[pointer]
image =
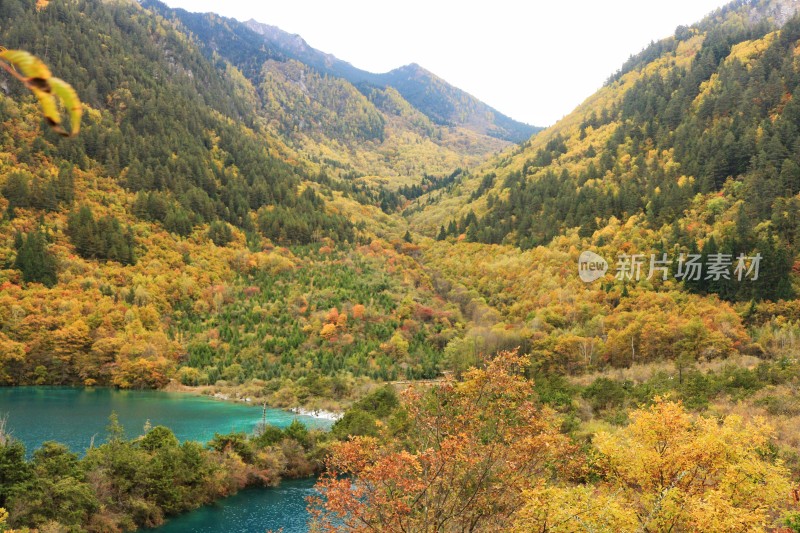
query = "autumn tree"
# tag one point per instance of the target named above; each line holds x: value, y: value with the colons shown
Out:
x: 681, y: 472
x: 461, y: 461
x: 669, y: 471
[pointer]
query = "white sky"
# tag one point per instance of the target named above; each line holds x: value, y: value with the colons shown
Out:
x: 532, y: 60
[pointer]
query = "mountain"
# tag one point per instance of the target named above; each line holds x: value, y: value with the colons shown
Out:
x: 437, y: 99
x: 295, y: 47
x: 442, y: 103
x: 153, y: 247
x: 189, y: 146
x: 245, y: 217
x: 694, y: 139
x: 172, y: 150
x: 446, y: 104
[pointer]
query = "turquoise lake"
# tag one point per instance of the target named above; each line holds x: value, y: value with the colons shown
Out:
x: 250, y: 511
x: 74, y: 416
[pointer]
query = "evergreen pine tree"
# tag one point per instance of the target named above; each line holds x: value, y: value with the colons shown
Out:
x: 34, y: 260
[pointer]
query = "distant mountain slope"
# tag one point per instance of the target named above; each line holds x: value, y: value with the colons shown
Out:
x: 696, y: 138
x: 444, y: 104
x: 300, y: 98
x: 440, y: 101
x: 346, y: 119
x: 295, y: 47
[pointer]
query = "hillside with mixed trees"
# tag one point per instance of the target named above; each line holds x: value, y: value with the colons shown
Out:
x: 192, y: 233
x: 401, y: 125
x: 243, y: 214
x: 696, y: 138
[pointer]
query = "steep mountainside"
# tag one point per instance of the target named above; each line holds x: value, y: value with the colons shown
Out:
x: 174, y: 187
x: 216, y: 222
x: 365, y: 133
x: 165, y: 122
x: 695, y: 139
x: 688, y: 152
x: 246, y: 44
x: 438, y: 100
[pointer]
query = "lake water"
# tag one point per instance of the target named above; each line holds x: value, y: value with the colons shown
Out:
x: 73, y: 416
x: 249, y: 511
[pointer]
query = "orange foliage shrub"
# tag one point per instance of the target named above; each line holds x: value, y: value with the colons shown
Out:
x: 460, y: 466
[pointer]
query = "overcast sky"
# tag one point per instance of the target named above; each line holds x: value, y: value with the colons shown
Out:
x: 534, y: 61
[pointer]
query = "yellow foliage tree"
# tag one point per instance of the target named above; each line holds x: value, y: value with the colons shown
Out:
x: 11, y: 354
x: 675, y: 468
x: 569, y: 509
x: 328, y: 331
x: 669, y: 471
x: 397, y: 346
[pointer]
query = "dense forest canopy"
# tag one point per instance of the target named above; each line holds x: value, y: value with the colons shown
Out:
x: 709, y: 115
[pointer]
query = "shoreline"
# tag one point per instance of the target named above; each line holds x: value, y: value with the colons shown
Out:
x: 320, y: 414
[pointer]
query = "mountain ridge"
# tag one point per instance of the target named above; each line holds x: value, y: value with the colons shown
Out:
x: 705, y: 117
x: 367, y: 131
x: 444, y: 110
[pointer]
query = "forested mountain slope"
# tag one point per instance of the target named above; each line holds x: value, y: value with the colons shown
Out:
x: 165, y: 122
x: 152, y: 246
x: 434, y: 97
x: 173, y: 187
x: 696, y: 139
x: 690, y: 150
x: 393, y: 128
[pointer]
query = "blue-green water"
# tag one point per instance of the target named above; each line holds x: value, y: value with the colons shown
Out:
x: 252, y: 510
x: 73, y: 416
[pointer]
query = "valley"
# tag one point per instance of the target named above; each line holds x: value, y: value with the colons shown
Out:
x: 244, y: 216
